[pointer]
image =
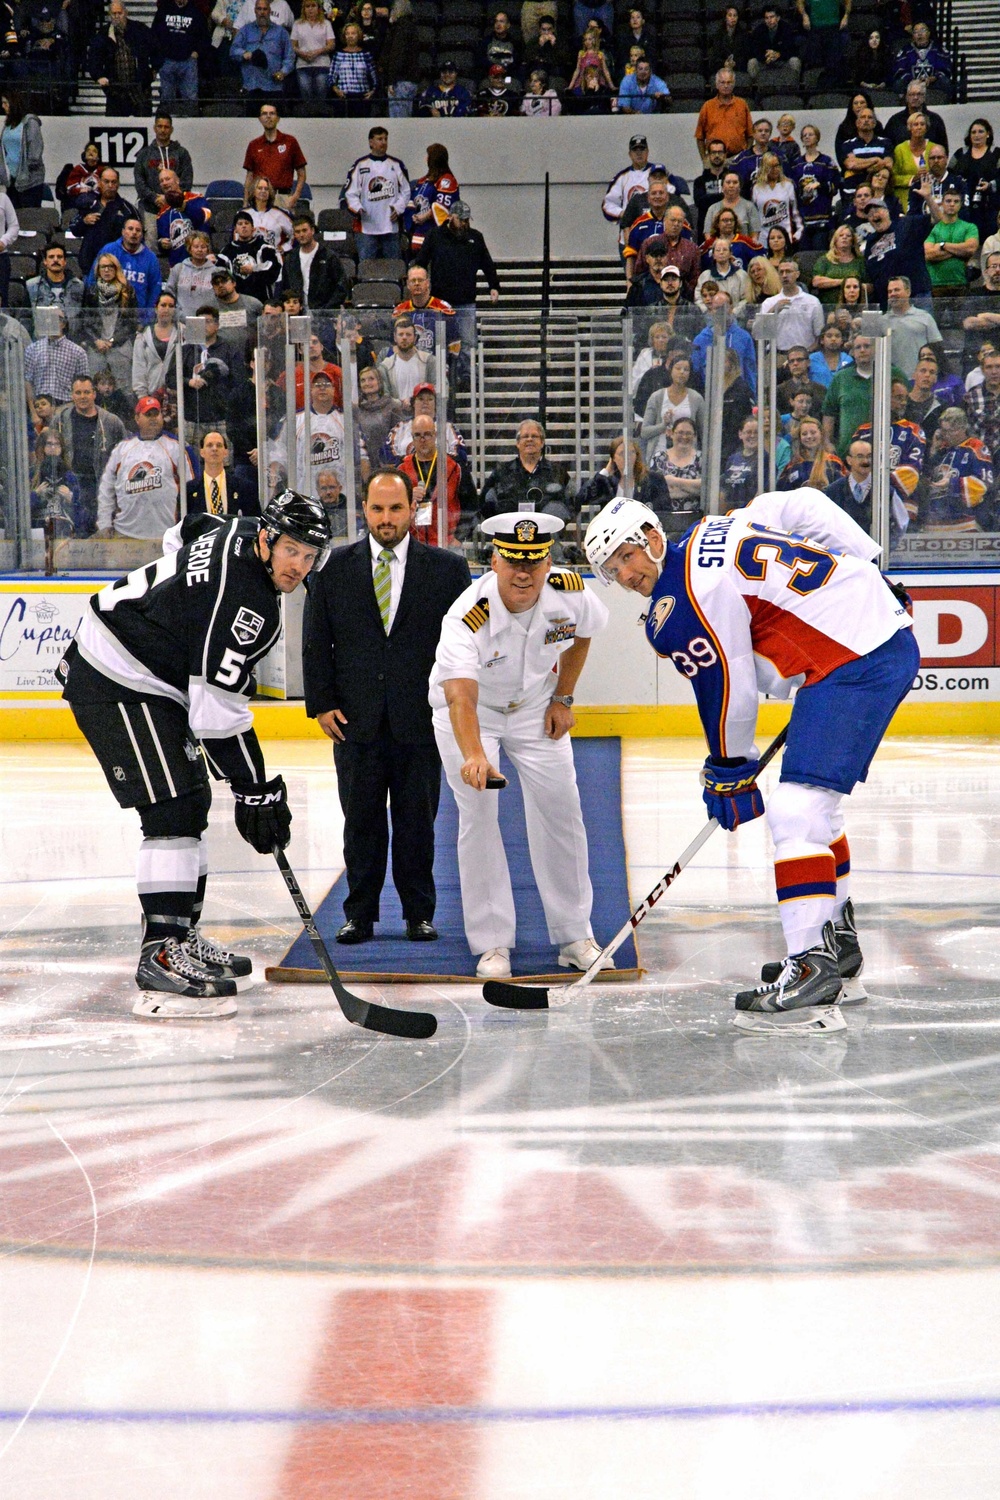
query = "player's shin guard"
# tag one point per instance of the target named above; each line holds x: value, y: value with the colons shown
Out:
x: 199, y: 894
x: 167, y: 877
x: 807, y: 892
x: 841, y: 852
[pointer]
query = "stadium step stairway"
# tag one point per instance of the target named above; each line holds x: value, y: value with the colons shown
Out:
x: 979, y: 27
x: 585, y: 309
x: 89, y: 98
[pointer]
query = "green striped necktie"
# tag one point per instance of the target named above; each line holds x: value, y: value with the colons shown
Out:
x: 383, y: 586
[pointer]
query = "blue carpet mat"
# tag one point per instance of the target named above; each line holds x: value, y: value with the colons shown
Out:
x: 389, y: 955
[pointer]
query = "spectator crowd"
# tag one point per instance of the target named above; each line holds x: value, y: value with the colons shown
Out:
x: 892, y: 220
x: 890, y: 215
x: 136, y: 300
x: 461, y: 57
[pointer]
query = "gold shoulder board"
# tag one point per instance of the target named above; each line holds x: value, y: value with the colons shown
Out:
x: 570, y: 583
x: 478, y: 615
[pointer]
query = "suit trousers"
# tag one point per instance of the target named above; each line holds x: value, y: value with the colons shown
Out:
x: 409, y: 776
x: 557, y: 839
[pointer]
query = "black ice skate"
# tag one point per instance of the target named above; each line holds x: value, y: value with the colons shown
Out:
x: 850, y: 959
x: 219, y: 961
x: 803, y: 997
x: 177, y: 987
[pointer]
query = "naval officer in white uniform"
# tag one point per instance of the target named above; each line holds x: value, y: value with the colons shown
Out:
x: 511, y: 650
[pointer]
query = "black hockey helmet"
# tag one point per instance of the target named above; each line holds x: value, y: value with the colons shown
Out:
x: 302, y: 518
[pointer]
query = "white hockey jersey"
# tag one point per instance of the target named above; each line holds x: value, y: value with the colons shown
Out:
x: 326, y: 448
x: 377, y: 185
x: 139, y: 488
x: 746, y: 608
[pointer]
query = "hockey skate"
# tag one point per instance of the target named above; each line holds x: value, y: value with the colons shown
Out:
x: 802, y: 998
x: 176, y: 987
x: 850, y: 959
x: 219, y: 961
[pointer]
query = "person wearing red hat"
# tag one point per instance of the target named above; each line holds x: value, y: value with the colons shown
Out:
x: 421, y: 466
x: 139, y: 489
x: 499, y: 96
x: 400, y: 440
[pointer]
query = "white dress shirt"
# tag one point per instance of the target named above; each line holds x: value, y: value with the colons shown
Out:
x: 397, y: 570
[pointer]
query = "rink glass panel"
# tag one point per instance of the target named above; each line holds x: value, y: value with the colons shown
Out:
x: 574, y: 371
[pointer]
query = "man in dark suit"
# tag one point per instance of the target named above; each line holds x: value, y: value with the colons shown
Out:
x: 372, y: 622
x: 326, y: 286
x: 853, y: 493
x: 218, y: 491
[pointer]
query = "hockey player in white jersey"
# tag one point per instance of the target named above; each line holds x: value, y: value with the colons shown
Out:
x: 138, y: 492
x: 778, y: 596
x: 160, y: 672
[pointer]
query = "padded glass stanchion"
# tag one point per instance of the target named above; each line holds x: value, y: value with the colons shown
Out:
x: 765, y: 332
x: 875, y: 326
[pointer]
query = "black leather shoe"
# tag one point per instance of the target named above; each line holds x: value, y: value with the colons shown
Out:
x: 421, y: 932
x: 356, y: 932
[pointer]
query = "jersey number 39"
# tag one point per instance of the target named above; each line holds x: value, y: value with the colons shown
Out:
x: 700, y: 653
x: 809, y: 566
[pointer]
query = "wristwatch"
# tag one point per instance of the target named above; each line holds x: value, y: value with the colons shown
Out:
x: 566, y: 699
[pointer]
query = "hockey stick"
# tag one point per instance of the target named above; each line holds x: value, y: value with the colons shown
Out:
x: 411, y: 1023
x: 536, y: 997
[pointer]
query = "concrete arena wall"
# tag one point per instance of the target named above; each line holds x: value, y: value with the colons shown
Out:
x: 501, y: 165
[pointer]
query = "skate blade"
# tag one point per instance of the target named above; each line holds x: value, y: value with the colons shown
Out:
x: 154, y: 1006
x: 853, y: 993
x: 810, y: 1021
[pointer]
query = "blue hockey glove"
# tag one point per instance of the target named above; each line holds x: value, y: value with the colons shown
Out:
x: 731, y: 793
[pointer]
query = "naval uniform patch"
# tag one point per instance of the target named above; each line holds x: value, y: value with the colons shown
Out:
x: 569, y: 583
x: 477, y: 615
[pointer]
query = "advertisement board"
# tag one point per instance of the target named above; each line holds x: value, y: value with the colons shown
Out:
x: 37, y: 622
x: 956, y: 619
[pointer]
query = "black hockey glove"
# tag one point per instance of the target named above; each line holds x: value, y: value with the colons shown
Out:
x: 263, y: 816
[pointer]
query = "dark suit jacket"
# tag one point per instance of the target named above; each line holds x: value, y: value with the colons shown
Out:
x: 348, y: 660
x: 840, y: 493
x: 327, y: 285
x: 246, y: 504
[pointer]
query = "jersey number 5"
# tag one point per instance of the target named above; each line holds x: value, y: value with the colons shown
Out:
x: 230, y: 667
x: 810, y: 566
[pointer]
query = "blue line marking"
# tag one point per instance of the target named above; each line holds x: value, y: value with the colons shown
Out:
x: 424, y: 1416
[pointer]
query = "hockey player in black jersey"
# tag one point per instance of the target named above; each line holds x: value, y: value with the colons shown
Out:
x: 160, y: 672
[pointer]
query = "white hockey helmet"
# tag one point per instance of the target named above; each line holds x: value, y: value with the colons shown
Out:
x: 620, y: 521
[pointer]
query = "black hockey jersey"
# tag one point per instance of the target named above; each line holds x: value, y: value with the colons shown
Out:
x: 189, y: 627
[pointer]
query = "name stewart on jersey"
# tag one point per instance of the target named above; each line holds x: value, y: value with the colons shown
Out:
x: 743, y: 608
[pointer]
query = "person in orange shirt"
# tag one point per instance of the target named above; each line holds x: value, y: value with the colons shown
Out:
x: 725, y: 118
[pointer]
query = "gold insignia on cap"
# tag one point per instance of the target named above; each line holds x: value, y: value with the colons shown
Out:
x: 526, y: 531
